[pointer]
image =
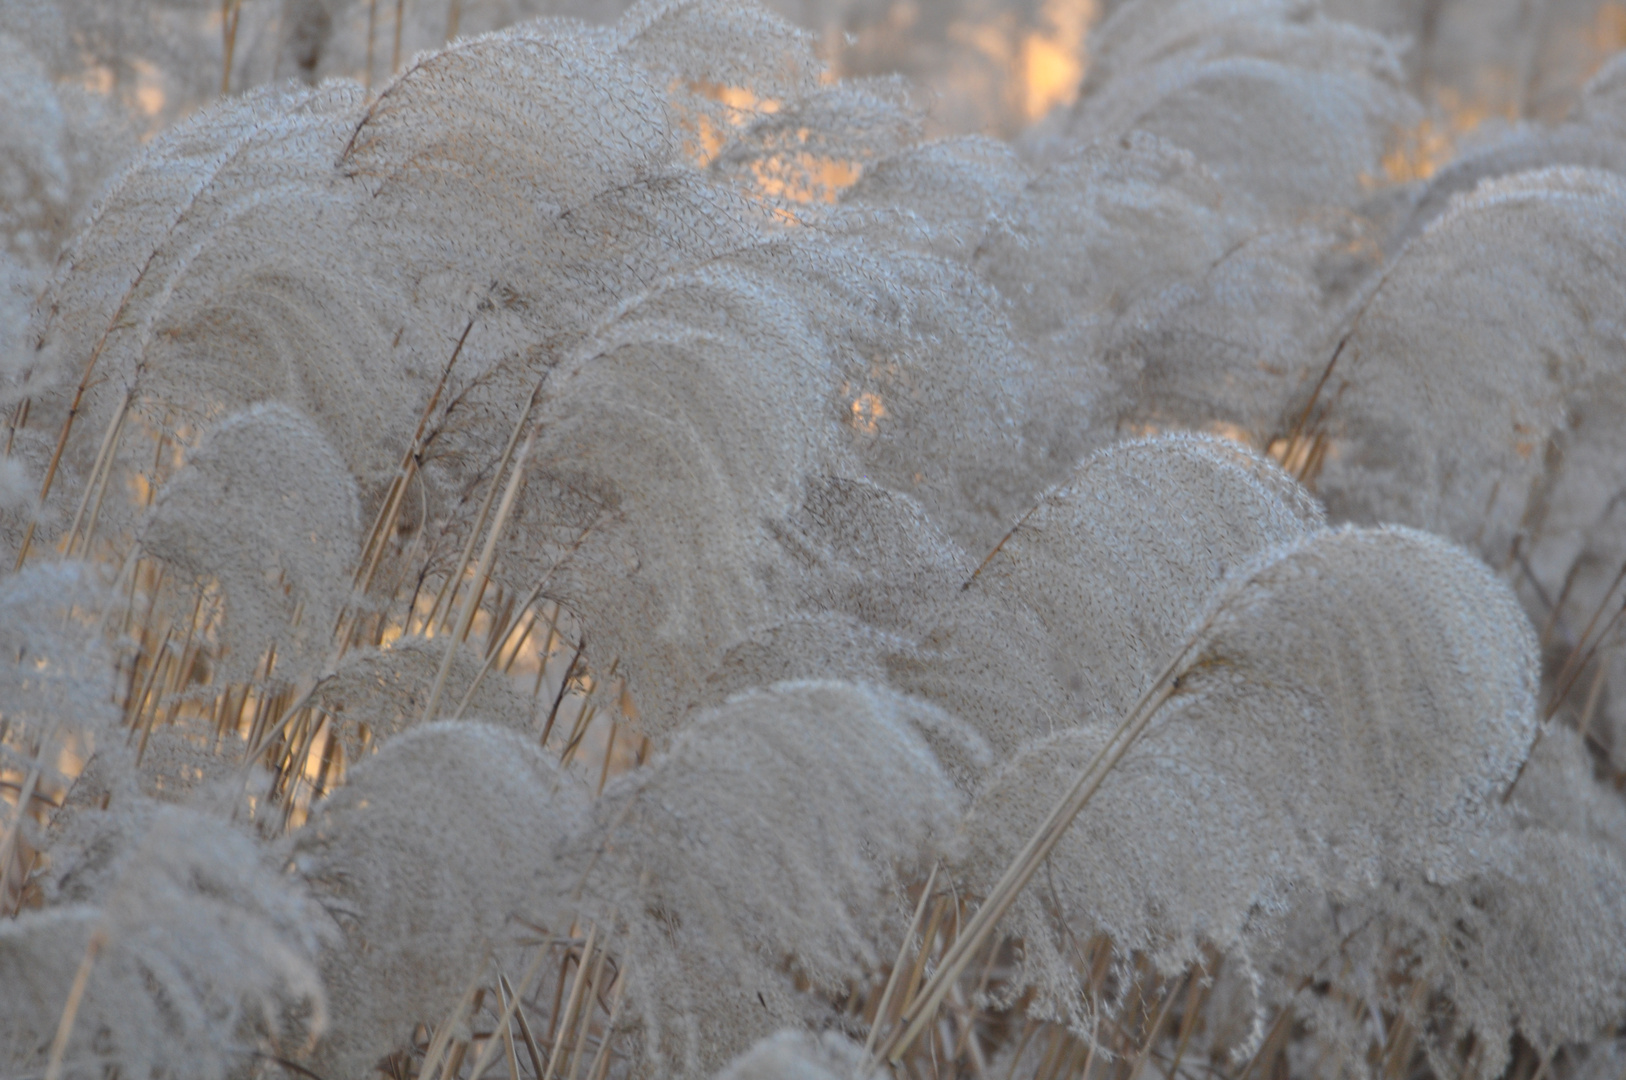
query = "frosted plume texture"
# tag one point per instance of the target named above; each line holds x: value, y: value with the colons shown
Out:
x: 265, y: 509
x: 198, y: 943
x: 558, y: 535
x: 796, y: 1055
x: 1338, y: 713
x: 419, y: 862
x: 721, y: 880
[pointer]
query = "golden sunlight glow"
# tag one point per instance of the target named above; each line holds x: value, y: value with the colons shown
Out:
x: 1052, y: 58
x: 805, y: 178
x: 868, y: 412
x: 741, y: 106
x: 148, y: 94
x: 98, y: 79
x: 1608, y: 32
x: 1418, y: 152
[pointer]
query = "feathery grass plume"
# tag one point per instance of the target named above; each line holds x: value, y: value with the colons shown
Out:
x: 377, y: 694
x: 64, y: 131
x: 940, y: 195
x: 17, y: 288
x: 670, y: 442
x: 420, y: 859
x: 878, y: 591
x: 1531, y: 942
x: 933, y: 390
x: 57, y: 691
x: 870, y: 553
x: 1525, y: 148
x: 1103, y: 227
x: 197, y: 954
x: 1110, y: 570
x: 36, y: 177
x: 1385, y: 681
x: 267, y: 511
x: 1231, y: 348
x: 57, y: 675
x: 1107, y: 223
x: 1603, y: 98
x: 1572, y: 545
x: 1460, y: 425
x: 547, y: 162
x: 1535, y: 946
x: 889, y: 363
x: 479, y: 173
x: 797, y: 1055
x: 1291, y: 110
x: 158, y: 290
x: 766, y: 849
x: 825, y: 645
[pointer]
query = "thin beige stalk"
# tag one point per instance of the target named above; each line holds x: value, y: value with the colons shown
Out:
x: 567, y: 1021
x: 1151, y: 1035
x: 917, y: 970
x: 152, y: 716
x: 400, y: 17
x: 471, y: 603
x: 601, y: 1063
x: 1032, y: 856
x: 510, y: 1004
x: 372, y: 24
x: 139, y: 701
x: 531, y: 1048
x: 230, y: 12
x: 99, y: 471
x: 510, y: 1055
x: 1003, y: 540
x: 25, y: 795
x: 443, y: 1034
x: 448, y: 591
x: 585, y: 1024
x: 1188, y: 1022
x: 70, y: 1011
x: 535, y: 594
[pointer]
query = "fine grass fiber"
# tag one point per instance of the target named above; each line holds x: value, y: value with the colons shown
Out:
x: 997, y: 539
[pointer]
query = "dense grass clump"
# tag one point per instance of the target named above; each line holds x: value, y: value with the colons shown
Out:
x: 1025, y: 539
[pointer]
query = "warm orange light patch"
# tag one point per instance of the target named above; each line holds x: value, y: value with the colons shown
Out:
x: 739, y: 98
x: 1230, y: 433
x: 741, y: 106
x: 98, y: 79
x: 1052, y: 57
x: 1525, y: 442
x: 148, y: 94
x: 1050, y: 76
x: 1417, y: 153
x: 1608, y: 33
x: 1463, y: 116
x: 805, y: 178
x: 868, y: 412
